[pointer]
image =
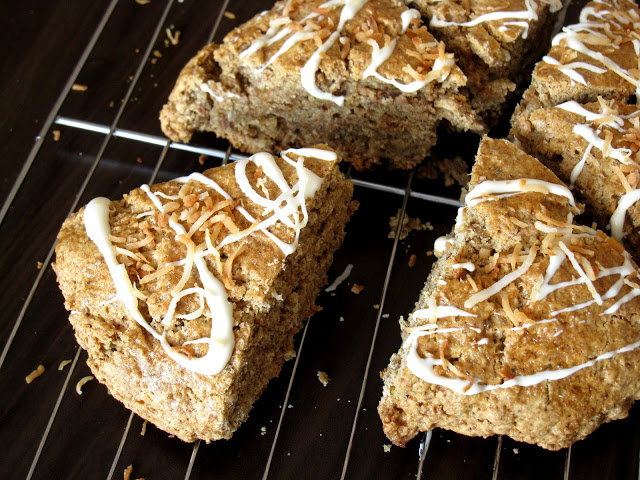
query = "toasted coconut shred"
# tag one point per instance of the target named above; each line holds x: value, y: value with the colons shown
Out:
x: 34, y: 374
x: 562, y: 245
x: 203, y: 220
x: 82, y: 382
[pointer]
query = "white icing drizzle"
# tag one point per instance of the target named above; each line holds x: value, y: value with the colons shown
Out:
x: 569, y: 69
x: 407, y: 17
x: 617, y: 219
x: 466, y: 265
x: 482, y: 295
x: 423, y: 369
x: 593, y: 24
x: 590, y: 133
x: 221, y: 340
x: 440, y: 245
x: 496, y: 189
x: 528, y: 15
x: 350, y: 8
x: 205, y: 88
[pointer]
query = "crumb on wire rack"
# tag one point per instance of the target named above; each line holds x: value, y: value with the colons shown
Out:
x: 34, y: 374
x: 409, y: 225
x: 324, y: 378
x: 81, y: 383
x: 63, y: 364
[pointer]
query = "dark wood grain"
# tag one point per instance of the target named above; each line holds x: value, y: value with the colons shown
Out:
x: 36, y: 61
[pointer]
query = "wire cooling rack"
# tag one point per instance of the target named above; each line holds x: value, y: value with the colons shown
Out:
x: 104, y: 140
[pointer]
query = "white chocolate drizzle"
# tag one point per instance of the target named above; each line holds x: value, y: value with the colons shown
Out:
x: 558, y: 254
x: 524, y: 17
x: 591, y: 133
x: 496, y: 189
x: 278, y: 30
x: 288, y: 208
x: 596, y: 27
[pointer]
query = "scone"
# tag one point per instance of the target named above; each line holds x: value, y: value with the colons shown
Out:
x: 365, y: 77
x: 496, y: 43
x: 529, y: 324
x: 597, y: 57
x: 593, y: 147
x: 186, y: 295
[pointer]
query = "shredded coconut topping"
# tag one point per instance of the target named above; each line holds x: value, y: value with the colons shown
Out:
x: 203, y: 215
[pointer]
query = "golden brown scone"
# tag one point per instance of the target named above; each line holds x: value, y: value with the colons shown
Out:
x: 570, y: 139
x: 188, y: 312
x: 529, y: 324
x: 597, y: 57
x: 496, y: 43
x: 366, y: 77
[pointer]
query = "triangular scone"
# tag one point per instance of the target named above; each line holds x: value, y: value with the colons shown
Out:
x: 571, y: 138
x: 496, y: 42
x: 598, y: 56
x: 528, y: 326
x: 367, y: 78
x: 247, y: 244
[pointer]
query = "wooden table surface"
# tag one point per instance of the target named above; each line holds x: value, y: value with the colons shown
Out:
x: 110, y: 142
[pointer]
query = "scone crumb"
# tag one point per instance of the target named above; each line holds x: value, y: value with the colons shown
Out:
x: 357, y: 288
x: 35, y: 374
x: 143, y: 2
x: 63, y: 364
x: 78, y: 87
x: 516, y: 451
x: 157, y: 53
x: 143, y: 430
x: 127, y: 472
x: 173, y: 37
x: 202, y: 158
x: 82, y: 383
x: 39, y: 265
x: 386, y: 447
x: 324, y: 378
x: 412, y: 260
x: 56, y: 135
x: 263, y: 431
x: 230, y: 15
x: 409, y: 224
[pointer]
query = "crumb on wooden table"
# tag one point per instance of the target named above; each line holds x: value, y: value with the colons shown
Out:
x: 324, y: 378
x: 173, y: 36
x: 409, y: 224
x: 63, y: 364
x: 34, y: 374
